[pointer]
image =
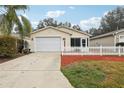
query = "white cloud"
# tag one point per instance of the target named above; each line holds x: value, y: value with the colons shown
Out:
x: 89, y: 23
x: 54, y: 14
x: 92, y: 22
x: 34, y: 24
x: 71, y: 7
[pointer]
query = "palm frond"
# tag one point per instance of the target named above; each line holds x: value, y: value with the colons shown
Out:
x: 4, y: 26
x: 11, y: 18
x: 26, y: 26
x: 20, y: 26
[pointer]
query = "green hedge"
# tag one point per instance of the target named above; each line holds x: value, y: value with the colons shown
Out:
x: 7, y: 46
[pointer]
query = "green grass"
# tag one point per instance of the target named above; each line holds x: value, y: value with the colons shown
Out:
x: 95, y: 74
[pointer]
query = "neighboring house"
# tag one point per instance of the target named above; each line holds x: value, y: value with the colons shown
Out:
x: 56, y: 38
x: 108, y: 39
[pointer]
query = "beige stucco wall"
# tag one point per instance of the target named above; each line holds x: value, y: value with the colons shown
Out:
x: 50, y: 32
x: 76, y: 34
x: 104, y: 41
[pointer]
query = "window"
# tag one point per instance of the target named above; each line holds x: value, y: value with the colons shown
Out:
x: 75, y: 42
x: 83, y: 42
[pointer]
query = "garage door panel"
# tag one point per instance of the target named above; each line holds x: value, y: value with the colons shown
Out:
x: 48, y: 44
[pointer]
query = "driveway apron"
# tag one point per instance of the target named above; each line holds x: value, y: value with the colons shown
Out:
x: 36, y: 70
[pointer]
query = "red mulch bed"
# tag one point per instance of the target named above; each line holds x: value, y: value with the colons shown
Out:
x: 68, y: 59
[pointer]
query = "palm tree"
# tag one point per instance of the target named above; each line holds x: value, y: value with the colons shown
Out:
x: 11, y: 18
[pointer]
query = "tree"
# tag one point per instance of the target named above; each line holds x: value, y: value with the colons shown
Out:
x: 40, y: 25
x: 60, y: 24
x: 114, y: 20
x: 93, y: 31
x: 67, y: 24
x: 47, y: 22
x: 51, y: 22
x: 27, y: 28
x: 108, y: 23
x: 76, y: 27
x: 11, y: 18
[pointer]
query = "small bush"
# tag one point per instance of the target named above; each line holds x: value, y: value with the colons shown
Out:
x: 7, y: 46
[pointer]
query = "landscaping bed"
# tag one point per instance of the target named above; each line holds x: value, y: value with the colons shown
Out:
x: 6, y: 59
x: 11, y: 48
x: 95, y: 73
x: 68, y: 59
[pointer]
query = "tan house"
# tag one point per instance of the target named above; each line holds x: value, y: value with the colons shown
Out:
x: 108, y: 39
x: 56, y: 38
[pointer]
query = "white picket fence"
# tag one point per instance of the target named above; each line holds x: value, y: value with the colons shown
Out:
x: 93, y: 51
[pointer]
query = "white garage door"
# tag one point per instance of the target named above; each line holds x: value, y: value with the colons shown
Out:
x: 47, y: 44
x: 121, y: 39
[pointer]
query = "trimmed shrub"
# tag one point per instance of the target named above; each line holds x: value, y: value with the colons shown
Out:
x: 7, y: 46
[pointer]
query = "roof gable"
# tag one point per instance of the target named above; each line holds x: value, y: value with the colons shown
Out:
x: 81, y: 32
x: 49, y: 27
x: 57, y: 28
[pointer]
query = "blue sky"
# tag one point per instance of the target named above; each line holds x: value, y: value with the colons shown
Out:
x: 86, y: 16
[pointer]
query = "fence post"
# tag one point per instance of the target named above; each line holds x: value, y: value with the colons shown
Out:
x: 119, y: 51
x: 101, y: 50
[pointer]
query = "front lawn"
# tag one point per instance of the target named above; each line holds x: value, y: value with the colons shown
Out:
x: 95, y: 74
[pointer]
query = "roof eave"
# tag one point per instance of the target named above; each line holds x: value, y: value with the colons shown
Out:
x: 36, y: 31
x: 75, y: 30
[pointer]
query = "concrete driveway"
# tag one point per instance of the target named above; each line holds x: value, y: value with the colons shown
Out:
x: 33, y: 70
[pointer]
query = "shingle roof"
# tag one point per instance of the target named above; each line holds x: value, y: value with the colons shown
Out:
x: 38, y: 30
x: 108, y: 34
x: 57, y: 28
x: 83, y: 32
